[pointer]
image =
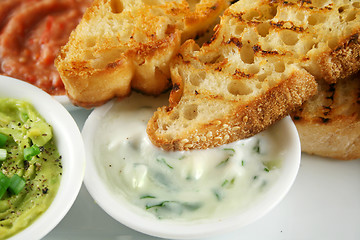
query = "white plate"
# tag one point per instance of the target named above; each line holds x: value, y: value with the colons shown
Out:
x: 323, y: 203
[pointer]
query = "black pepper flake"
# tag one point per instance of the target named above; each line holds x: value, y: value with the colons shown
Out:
x: 26, y: 164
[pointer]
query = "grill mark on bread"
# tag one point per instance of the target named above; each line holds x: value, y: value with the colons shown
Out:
x: 148, y: 51
x: 329, y: 123
x: 257, y: 49
x: 263, y: 39
x: 281, y: 26
x: 239, y: 74
x: 235, y: 41
x: 144, y: 35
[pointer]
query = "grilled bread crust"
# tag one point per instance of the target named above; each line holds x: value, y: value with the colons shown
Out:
x: 329, y: 123
x: 260, y: 64
x: 123, y: 45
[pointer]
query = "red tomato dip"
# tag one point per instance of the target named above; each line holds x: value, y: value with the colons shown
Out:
x: 31, y: 34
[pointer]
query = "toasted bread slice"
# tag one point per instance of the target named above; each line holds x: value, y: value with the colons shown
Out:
x: 329, y: 123
x: 121, y: 45
x: 255, y: 70
x: 217, y: 103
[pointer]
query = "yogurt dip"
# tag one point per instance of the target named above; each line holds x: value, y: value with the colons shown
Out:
x: 181, y: 186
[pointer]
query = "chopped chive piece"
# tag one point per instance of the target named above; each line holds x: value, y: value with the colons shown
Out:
x: 266, y: 169
x: 3, y: 154
x: 242, y: 163
x: 162, y: 204
x: 147, y: 196
x: 225, y: 182
x: 4, y: 184
x: 17, y: 184
x: 30, y: 152
x: 223, y: 162
x: 3, y: 139
x: 256, y: 148
x: 24, y: 117
x: 162, y: 160
x: 218, y: 195
x: 229, y: 149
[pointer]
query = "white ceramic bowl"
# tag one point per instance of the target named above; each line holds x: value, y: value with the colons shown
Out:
x: 63, y: 99
x: 122, y: 210
x: 70, y: 146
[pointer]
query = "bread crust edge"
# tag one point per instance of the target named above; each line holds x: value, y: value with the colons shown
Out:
x: 338, y: 139
x: 247, y: 119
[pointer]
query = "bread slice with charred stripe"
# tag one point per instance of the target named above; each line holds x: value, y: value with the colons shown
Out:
x: 259, y: 66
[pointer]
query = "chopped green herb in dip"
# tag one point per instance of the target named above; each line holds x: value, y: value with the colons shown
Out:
x: 31, y: 171
x: 189, y: 185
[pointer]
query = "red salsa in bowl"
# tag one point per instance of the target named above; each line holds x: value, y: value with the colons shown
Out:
x: 31, y: 34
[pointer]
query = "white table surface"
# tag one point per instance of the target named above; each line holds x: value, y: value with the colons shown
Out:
x: 324, y: 203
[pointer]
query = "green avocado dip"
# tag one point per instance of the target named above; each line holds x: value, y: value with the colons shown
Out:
x: 30, y: 166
